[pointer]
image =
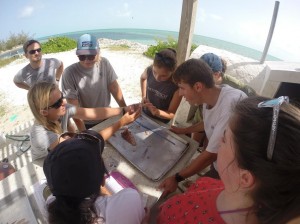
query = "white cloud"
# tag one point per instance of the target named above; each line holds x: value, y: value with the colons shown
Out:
x: 27, y: 12
x: 125, y: 12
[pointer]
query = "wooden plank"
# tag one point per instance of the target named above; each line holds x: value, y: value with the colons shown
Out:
x: 187, y: 24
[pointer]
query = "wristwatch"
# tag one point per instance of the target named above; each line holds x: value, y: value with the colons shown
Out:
x: 178, y: 178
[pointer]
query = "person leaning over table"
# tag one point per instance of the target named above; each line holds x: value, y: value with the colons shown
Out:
x: 195, y: 80
x: 52, y: 117
x: 75, y: 171
x: 259, y: 165
x: 219, y: 67
x: 91, y: 81
x: 38, y: 69
x: 160, y: 96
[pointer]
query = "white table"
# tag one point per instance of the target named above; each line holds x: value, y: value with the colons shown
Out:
x: 33, y: 172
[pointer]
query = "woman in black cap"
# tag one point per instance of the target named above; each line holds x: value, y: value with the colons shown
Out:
x: 75, y: 171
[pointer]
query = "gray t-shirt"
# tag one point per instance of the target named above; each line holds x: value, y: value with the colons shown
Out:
x: 89, y: 86
x: 46, y: 73
x: 41, y: 138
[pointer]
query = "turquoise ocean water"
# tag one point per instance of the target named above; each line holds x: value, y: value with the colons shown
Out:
x: 149, y: 37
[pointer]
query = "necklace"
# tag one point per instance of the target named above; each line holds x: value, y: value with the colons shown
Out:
x: 236, y: 210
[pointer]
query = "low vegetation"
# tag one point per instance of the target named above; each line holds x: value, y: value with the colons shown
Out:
x: 53, y: 45
x: 14, y: 40
x: 121, y: 47
x: 58, y: 44
x: 160, y: 45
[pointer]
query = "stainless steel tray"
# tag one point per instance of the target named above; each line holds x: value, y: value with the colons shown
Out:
x: 157, y: 149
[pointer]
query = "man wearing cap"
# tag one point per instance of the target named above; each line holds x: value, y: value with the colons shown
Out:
x: 89, y: 82
x: 75, y: 171
x: 38, y: 69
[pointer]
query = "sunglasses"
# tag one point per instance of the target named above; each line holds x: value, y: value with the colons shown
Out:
x: 81, y: 135
x: 86, y: 57
x: 35, y: 50
x: 57, y: 104
x: 275, y: 104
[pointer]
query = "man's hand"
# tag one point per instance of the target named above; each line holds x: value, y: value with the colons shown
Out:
x: 133, y: 108
x: 130, y: 117
x: 178, y: 130
x: 168, y: 186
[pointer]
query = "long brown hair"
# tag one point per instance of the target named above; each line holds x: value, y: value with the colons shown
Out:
x: 276, y: 195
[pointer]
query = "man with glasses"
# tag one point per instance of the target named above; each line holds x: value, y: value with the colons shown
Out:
x: 91, y: 81
x: 38, y: 69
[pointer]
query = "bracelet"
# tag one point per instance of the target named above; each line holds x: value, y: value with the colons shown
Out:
x: 178, y: 178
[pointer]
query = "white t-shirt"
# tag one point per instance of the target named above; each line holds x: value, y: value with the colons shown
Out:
x: 216, y: 119
x: 124, y: 207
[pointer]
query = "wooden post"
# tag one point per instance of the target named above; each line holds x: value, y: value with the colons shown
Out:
x: 187, y: 24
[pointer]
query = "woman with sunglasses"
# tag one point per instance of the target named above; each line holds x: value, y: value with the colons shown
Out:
x: 38, y: 69
x: 52, y: 116
x: 160, y: 95
x: 259, y: 166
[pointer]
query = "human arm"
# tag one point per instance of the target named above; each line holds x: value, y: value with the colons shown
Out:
x: 198, y: 127
x: 206, y: 158
x: 116, y: 91
x: 165, y: 114
x: 124, y: 120
x: 143, y: 83
x: 78, y: 121
x: 22, y: 85
x: 59, y: 71
x: 19, y: 82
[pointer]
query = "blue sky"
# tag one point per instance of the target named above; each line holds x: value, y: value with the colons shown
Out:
x: 242, y: 22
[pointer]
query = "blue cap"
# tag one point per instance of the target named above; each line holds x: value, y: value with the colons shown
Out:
x: 87, y: 45
x: 214, y: 61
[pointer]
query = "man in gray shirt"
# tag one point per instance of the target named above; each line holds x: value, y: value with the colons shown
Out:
x: 38, y: 69
x: 91, y: 81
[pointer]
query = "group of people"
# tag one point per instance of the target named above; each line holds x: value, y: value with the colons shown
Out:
x: 252, y: 142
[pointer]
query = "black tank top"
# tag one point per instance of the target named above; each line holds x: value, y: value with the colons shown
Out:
x: 159, y: 94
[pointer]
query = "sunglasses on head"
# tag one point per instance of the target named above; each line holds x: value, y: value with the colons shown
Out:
x: 166, y: 60
x: 81, y: 135
x: 35, y: 50
x: 57, y: 104
x: 86, y: 57
x: 275, y: 104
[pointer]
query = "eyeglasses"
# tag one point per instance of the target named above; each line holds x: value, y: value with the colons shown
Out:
x: 86, y: 57
x: 82, y: 135
x: 57, y: 104
x: 35, y: 50
x: 275, y: 104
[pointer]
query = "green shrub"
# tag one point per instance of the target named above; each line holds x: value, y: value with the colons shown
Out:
x: 160, y: 45
x: 58, y: 44
x: 14, y: 40
x: 121, y: 47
